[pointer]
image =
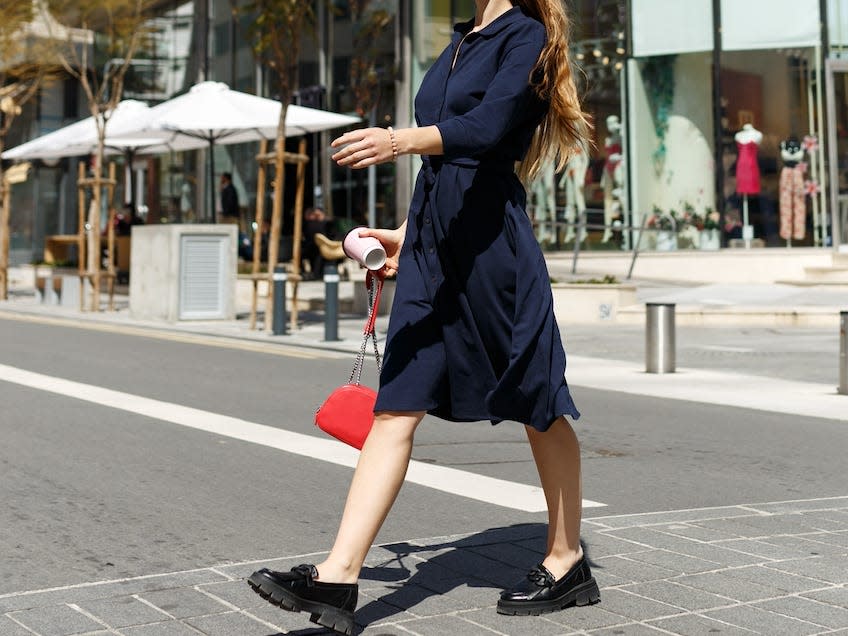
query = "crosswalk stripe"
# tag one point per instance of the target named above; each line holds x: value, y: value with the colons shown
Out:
x: 445, y: 479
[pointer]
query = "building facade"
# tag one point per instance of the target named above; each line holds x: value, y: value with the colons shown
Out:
x: 669, y: 85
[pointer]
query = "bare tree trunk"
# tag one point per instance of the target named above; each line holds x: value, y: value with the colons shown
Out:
x: 277, y: 211
x: 5, y: 202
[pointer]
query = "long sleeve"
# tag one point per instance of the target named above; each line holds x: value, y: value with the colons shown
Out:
x: 508, y: 98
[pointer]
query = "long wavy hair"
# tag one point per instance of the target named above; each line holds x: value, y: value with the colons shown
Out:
x: 565, y: 127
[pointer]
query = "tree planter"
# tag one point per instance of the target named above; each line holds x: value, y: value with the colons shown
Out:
x: 666, y: 241
x: 710, y: 239
x: 582, y: 303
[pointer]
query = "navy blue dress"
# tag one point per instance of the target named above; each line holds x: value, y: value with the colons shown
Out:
x: 472, y: 334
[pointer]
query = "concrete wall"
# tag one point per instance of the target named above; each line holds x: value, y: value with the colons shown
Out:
x: 155, y: 269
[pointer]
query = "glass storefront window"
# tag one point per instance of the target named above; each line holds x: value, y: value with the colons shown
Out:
x: 595, y: 180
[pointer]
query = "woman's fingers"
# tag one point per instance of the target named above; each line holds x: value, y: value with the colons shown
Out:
x: 359, y: 148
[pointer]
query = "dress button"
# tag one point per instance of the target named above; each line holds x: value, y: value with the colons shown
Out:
x: 426, y: 220
x: 432, y: 250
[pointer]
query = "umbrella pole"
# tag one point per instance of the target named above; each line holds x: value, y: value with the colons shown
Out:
x: 130, y: 158
x: 211, y: 214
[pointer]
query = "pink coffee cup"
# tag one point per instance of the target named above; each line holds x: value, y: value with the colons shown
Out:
x: 365, y: 250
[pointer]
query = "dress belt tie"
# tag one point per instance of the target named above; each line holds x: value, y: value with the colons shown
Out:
x: 433, y: 164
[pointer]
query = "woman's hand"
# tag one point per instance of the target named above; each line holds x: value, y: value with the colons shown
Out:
x: 392, y: 241
x: 363, y: 148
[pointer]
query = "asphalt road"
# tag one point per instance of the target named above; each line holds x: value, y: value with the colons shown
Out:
x: 92, y: 492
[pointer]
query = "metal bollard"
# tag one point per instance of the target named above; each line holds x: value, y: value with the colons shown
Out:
x: 331, y: 302
x: 278, y: 322
x: 660, y: 356
x: 843, y: 352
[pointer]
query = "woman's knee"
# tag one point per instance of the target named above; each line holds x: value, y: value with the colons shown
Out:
x: 398, y: 426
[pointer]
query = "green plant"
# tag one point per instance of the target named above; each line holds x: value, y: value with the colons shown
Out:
x: 658, y: 76
x: 665, y: 221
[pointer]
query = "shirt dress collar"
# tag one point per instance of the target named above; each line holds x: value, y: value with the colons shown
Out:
x: 494, y: 27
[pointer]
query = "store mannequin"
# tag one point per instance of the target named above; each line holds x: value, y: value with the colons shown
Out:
x: 573, y: 181
x: 748, y: 141
x: 793, y: 202
x: 612, y: 177
x: 544, y: 198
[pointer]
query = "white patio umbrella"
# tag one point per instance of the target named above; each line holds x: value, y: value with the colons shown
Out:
x: 212, y: 113
x: 80, y: 138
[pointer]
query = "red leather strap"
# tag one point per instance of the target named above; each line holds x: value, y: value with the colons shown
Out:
x: 372, y: 317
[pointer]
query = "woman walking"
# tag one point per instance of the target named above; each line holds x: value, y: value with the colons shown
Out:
x: 472, y: 334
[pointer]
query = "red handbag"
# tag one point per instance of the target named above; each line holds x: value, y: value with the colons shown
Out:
x: 348, y: 413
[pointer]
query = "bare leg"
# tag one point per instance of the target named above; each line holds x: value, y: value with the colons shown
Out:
x: 376, y: 482
x: 557, y: 456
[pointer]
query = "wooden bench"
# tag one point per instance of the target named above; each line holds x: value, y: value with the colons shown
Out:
x: 57, y: 247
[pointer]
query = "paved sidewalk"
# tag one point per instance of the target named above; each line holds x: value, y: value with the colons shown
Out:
x: 777, y: 568
x: 773, y: 568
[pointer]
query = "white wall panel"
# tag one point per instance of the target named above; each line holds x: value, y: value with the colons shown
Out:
x: 665, y: 27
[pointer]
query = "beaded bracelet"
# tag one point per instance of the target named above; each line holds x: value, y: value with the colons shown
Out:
x: 394, y: 143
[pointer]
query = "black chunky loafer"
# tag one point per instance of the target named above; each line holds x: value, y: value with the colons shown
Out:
x: 331, y: 605
x: 539, y: 592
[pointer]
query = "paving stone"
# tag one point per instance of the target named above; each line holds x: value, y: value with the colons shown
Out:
x: 713, y: 553
x: 765, y: 551
x: 830, y: 569
x: 825, y: 520
x: 419, y: 600
x: 808, y: 610
x: 188, y: 602
x: 536, y: 625
x: 719, y: 513
x: 764, y: 622
x: 632, y: 571
x: 442, y: 625
x: 57, y: 620
x: 238, y: 593
x: 230, y: 624
x: 606, y: 545
x: 808, y: 547
x: 466, y: 562
x: 771, y: 577
x: 738, y: 589
x: 679, y: 563
x: 470, y: 592
x: 696, y: 532
x: 839, y: 539
x: 536, y: 546
x: 588, y: 617
x: 8, y: 627
x: 738, y: 527
x: 678, y: 595
x: 128, y: 587
x: 802, y: 506
x: 168, y: 628
x: 244, y: 570
x: 695, y: 625
x: 632, y: 629
x: 287, y: 622
x: 125, y: 611
x: 511, y: 555
x: 635, y: 607
x: 778, y: 524
x: 833, y: 596
x: 373, y: 612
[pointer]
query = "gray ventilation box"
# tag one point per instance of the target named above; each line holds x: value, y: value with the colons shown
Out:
x: 183, y: 272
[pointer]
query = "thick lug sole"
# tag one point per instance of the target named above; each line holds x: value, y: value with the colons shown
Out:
x: 338, y: 620
x: 584, y: 594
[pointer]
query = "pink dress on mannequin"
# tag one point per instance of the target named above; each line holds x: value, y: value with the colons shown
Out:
x: 747, y: 170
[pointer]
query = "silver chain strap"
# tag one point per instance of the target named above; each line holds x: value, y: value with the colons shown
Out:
x: 356, y: 373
